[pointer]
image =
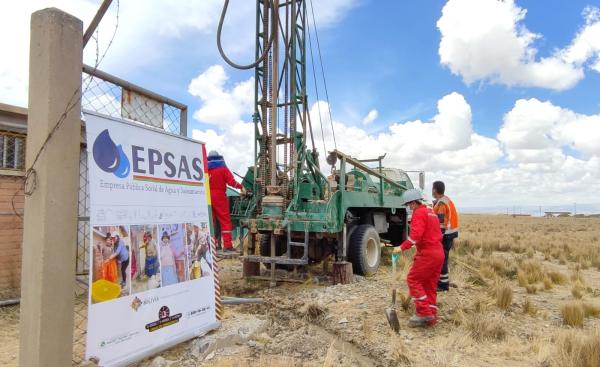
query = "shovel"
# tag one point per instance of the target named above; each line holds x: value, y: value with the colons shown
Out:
x: 390, y: 312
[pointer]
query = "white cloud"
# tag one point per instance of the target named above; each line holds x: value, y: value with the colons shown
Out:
x: 220, y: 106
x: 487, y: 40
x: 328, y: 13
x: 370, y: 117
x: 575, y: 180
x: 526, y: 164
x: 447, y: 142
x: 236, y: 144
x: 586, y: 45
x: 148, y: 31
x: 537, y: 132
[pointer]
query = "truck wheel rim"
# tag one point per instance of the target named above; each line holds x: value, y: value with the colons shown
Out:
x: 372, y: 252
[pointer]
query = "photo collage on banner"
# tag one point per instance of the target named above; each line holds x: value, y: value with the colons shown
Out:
x: 139, y: 258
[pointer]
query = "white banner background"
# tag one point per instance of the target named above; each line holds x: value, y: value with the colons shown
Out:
x: 117, y: 331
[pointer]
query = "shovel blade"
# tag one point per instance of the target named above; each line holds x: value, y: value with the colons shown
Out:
x: 392, y: 318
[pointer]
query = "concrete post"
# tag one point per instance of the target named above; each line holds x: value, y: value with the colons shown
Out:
x: 50, y: 226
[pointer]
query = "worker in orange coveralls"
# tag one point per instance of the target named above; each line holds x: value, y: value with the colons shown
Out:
x: 444, y: 208
x: 219, y: 178
x: 423, y: 276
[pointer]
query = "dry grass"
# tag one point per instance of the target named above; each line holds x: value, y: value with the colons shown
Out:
x: 399, y: 351
x: 529, y: 307
x: 557, y: 277
x: 263, y: 361
x: 330, y: 357
x: 533, y: 271
x: 495, y: 266
x: 487, y: 272
x: 577, y: 276
x: 591, y: 310
x: 530, y: 253
x: 314, y: 313
x: 522, y: 279
x: 457, y: 317
x: 548, y: 284
x: 482, y: 326
x: 577, y: 290
x: 531, y: 289
x: 574, y: 349
x: 406, y: 302
x: 573, y: 314
x: 482, y: 303
x: 504, y: 296
x: 367, y: 328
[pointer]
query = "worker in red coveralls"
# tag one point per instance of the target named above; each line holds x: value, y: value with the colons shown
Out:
x: 219, y: 178
x: 423, y: 276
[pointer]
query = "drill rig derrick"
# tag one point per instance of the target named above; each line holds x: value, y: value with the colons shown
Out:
x: 301, y: 214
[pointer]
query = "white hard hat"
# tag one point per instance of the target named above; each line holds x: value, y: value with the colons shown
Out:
x: 116, y: 234
x: 411, y: 195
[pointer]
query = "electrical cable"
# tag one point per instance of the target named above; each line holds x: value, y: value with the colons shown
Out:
x: 312, y: 62
x: 323, y: 74
x: 274, y: 26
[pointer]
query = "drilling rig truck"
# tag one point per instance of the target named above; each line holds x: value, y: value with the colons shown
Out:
x: 295, y: 212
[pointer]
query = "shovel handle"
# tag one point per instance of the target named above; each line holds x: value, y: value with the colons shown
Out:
x: 394, y: 296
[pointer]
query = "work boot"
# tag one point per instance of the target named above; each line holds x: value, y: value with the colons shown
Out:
x: 421, y: 321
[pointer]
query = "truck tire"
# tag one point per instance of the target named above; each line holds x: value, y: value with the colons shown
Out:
x: 265, y: 248
x: 364, y: 250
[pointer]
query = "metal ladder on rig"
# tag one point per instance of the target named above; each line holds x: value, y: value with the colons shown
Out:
x: 286, y: 258
x: 291, y: 244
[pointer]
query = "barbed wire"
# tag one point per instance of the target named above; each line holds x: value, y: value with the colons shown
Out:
x: 30, y: 179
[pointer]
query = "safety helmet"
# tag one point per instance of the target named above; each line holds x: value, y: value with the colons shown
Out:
x: 411, y: 195
x: 213, y: 153
x: 116, y: 234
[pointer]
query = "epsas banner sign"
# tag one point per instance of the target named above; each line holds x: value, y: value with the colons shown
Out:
x: 151, y: 270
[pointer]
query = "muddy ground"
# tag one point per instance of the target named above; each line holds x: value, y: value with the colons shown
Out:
x: 314, y: 323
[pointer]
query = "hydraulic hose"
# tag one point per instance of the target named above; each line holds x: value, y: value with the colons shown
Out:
x: 274, y: 26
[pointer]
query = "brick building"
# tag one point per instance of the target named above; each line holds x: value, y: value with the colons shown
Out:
x: 13, y: 129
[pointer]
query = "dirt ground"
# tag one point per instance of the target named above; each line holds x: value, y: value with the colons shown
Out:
x: 512, y: 279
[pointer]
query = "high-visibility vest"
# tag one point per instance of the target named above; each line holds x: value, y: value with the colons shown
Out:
x: 446, y: 211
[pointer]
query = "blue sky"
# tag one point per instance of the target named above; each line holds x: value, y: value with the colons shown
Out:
x: 499, y: 99
x: 384, y: 55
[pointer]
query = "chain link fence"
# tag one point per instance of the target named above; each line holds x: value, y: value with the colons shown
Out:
x: 106, y: 94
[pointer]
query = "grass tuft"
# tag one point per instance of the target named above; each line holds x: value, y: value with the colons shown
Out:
x: 557, y: 277
x: 504, y: 296
x: 591, y: 310
x: 314, y: 313
x: 577, y: 290
x: 534, y: 271
x: 529, y: 307
x: 577, y: 276
x: 575, y: 349
x: 483, y: 326
x: 573, y: 314
x: 406, y: 302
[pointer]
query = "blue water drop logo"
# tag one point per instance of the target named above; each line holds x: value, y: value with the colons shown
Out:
x: 122, y: 170
x: 110, y: 157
